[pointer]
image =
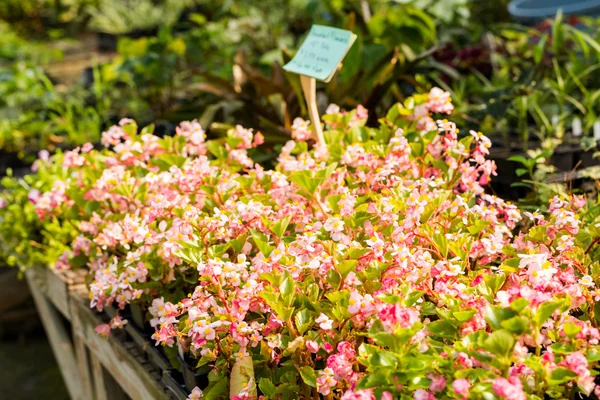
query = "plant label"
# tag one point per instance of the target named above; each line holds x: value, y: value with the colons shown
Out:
x: 321, y: 53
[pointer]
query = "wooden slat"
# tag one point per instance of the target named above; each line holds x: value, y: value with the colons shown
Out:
x: 59, y: 341
x: 133, y: 377
x: 51, y: 286
x: 98, y: 377
x: 83, y: 362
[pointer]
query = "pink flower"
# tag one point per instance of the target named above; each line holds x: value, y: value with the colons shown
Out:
x: 394, y: 316
x: 117, y: 322
x: 335, y: 226
x: 511, y: 389
x: 312, y: 346
x: 300, y: 130
x: 461, y: 386
x: 440, y: 101
x: 332, y: 109
x: 325, y: 381
x: 438, y: 383
x: 346, y: 349
x: 362, y: 304
x: 44, y: 155
x: 577, y: 363
x: 422, y: 394
x: 34, y: 196
x: 196, y: 394
x: 103, y: 330
x: 359, y: 395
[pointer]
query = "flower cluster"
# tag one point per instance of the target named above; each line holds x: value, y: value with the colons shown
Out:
x: 373, y: 267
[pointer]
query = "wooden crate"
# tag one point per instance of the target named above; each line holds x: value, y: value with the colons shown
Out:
x: 94, y: 368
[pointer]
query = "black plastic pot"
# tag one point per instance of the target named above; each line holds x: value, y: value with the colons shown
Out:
x: 141, y: 340
x: 157, y: 358
x: 193, y: 377
x: 138, y: 318
x: 173, y: 385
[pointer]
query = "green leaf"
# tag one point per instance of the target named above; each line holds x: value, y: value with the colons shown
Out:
x: 442, y: 328
x: 216, y: 150
x: 266, y: 386
x: 561, y: 375
x: 519, y: 304
x: 347, y: 266
x: 545, y: 310
x: 303, y: 320
x: 413, y: 297
x: 558, y: 33
x: 279, y: 228
x: 441, y: 243
x: 384, y: 358
x: 495, y: 315
x: 538, y: 50
x: 216, y: 389
x: 494, y: 281
x: 516, y: 325
x: 500, y: 343
x: 380, y: 377
x: 308, y: 376
x: 571, y: 330
x: 477, y: 227
x: 262, y: 242
x: 464, y: 316
x: 306, y: 181
x: 593, y: 354
x: 287, y: 286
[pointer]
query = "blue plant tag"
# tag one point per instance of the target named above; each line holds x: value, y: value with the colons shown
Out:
x: 321, y: 53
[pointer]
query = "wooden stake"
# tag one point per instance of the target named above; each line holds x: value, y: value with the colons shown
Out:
x: 309, y: 87
x: 59, y: 340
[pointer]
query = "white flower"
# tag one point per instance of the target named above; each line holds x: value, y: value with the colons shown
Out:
x: 196, y: 394
x: 586, y: 280
x: 324, y: 322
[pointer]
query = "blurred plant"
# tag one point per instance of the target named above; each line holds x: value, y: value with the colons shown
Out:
x: 36, y: 17
x: 22, y: 240
x: 536, y: 79
x: 150, y: 77
x: 119, y: 17
x: 34, y: 115
x: 393, y: 42
x: 14, y: 47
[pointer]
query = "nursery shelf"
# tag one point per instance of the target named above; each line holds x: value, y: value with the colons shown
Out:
x: 93, y: 367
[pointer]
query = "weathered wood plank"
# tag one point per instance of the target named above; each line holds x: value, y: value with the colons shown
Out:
x: 132, y: 376
x: 52, y: 286
x: 59, y: 341
x: 83, y: 362
x: 98, y: 377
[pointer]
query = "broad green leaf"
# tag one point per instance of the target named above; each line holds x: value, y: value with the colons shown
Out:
x: 495, y: 315
x: 571, y: 330
x: 545, y: 311
x: 266, y: 386
x: 561, y: 375
x: 500, y: 343
x: 442, y: 328
x: 308, y: 376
